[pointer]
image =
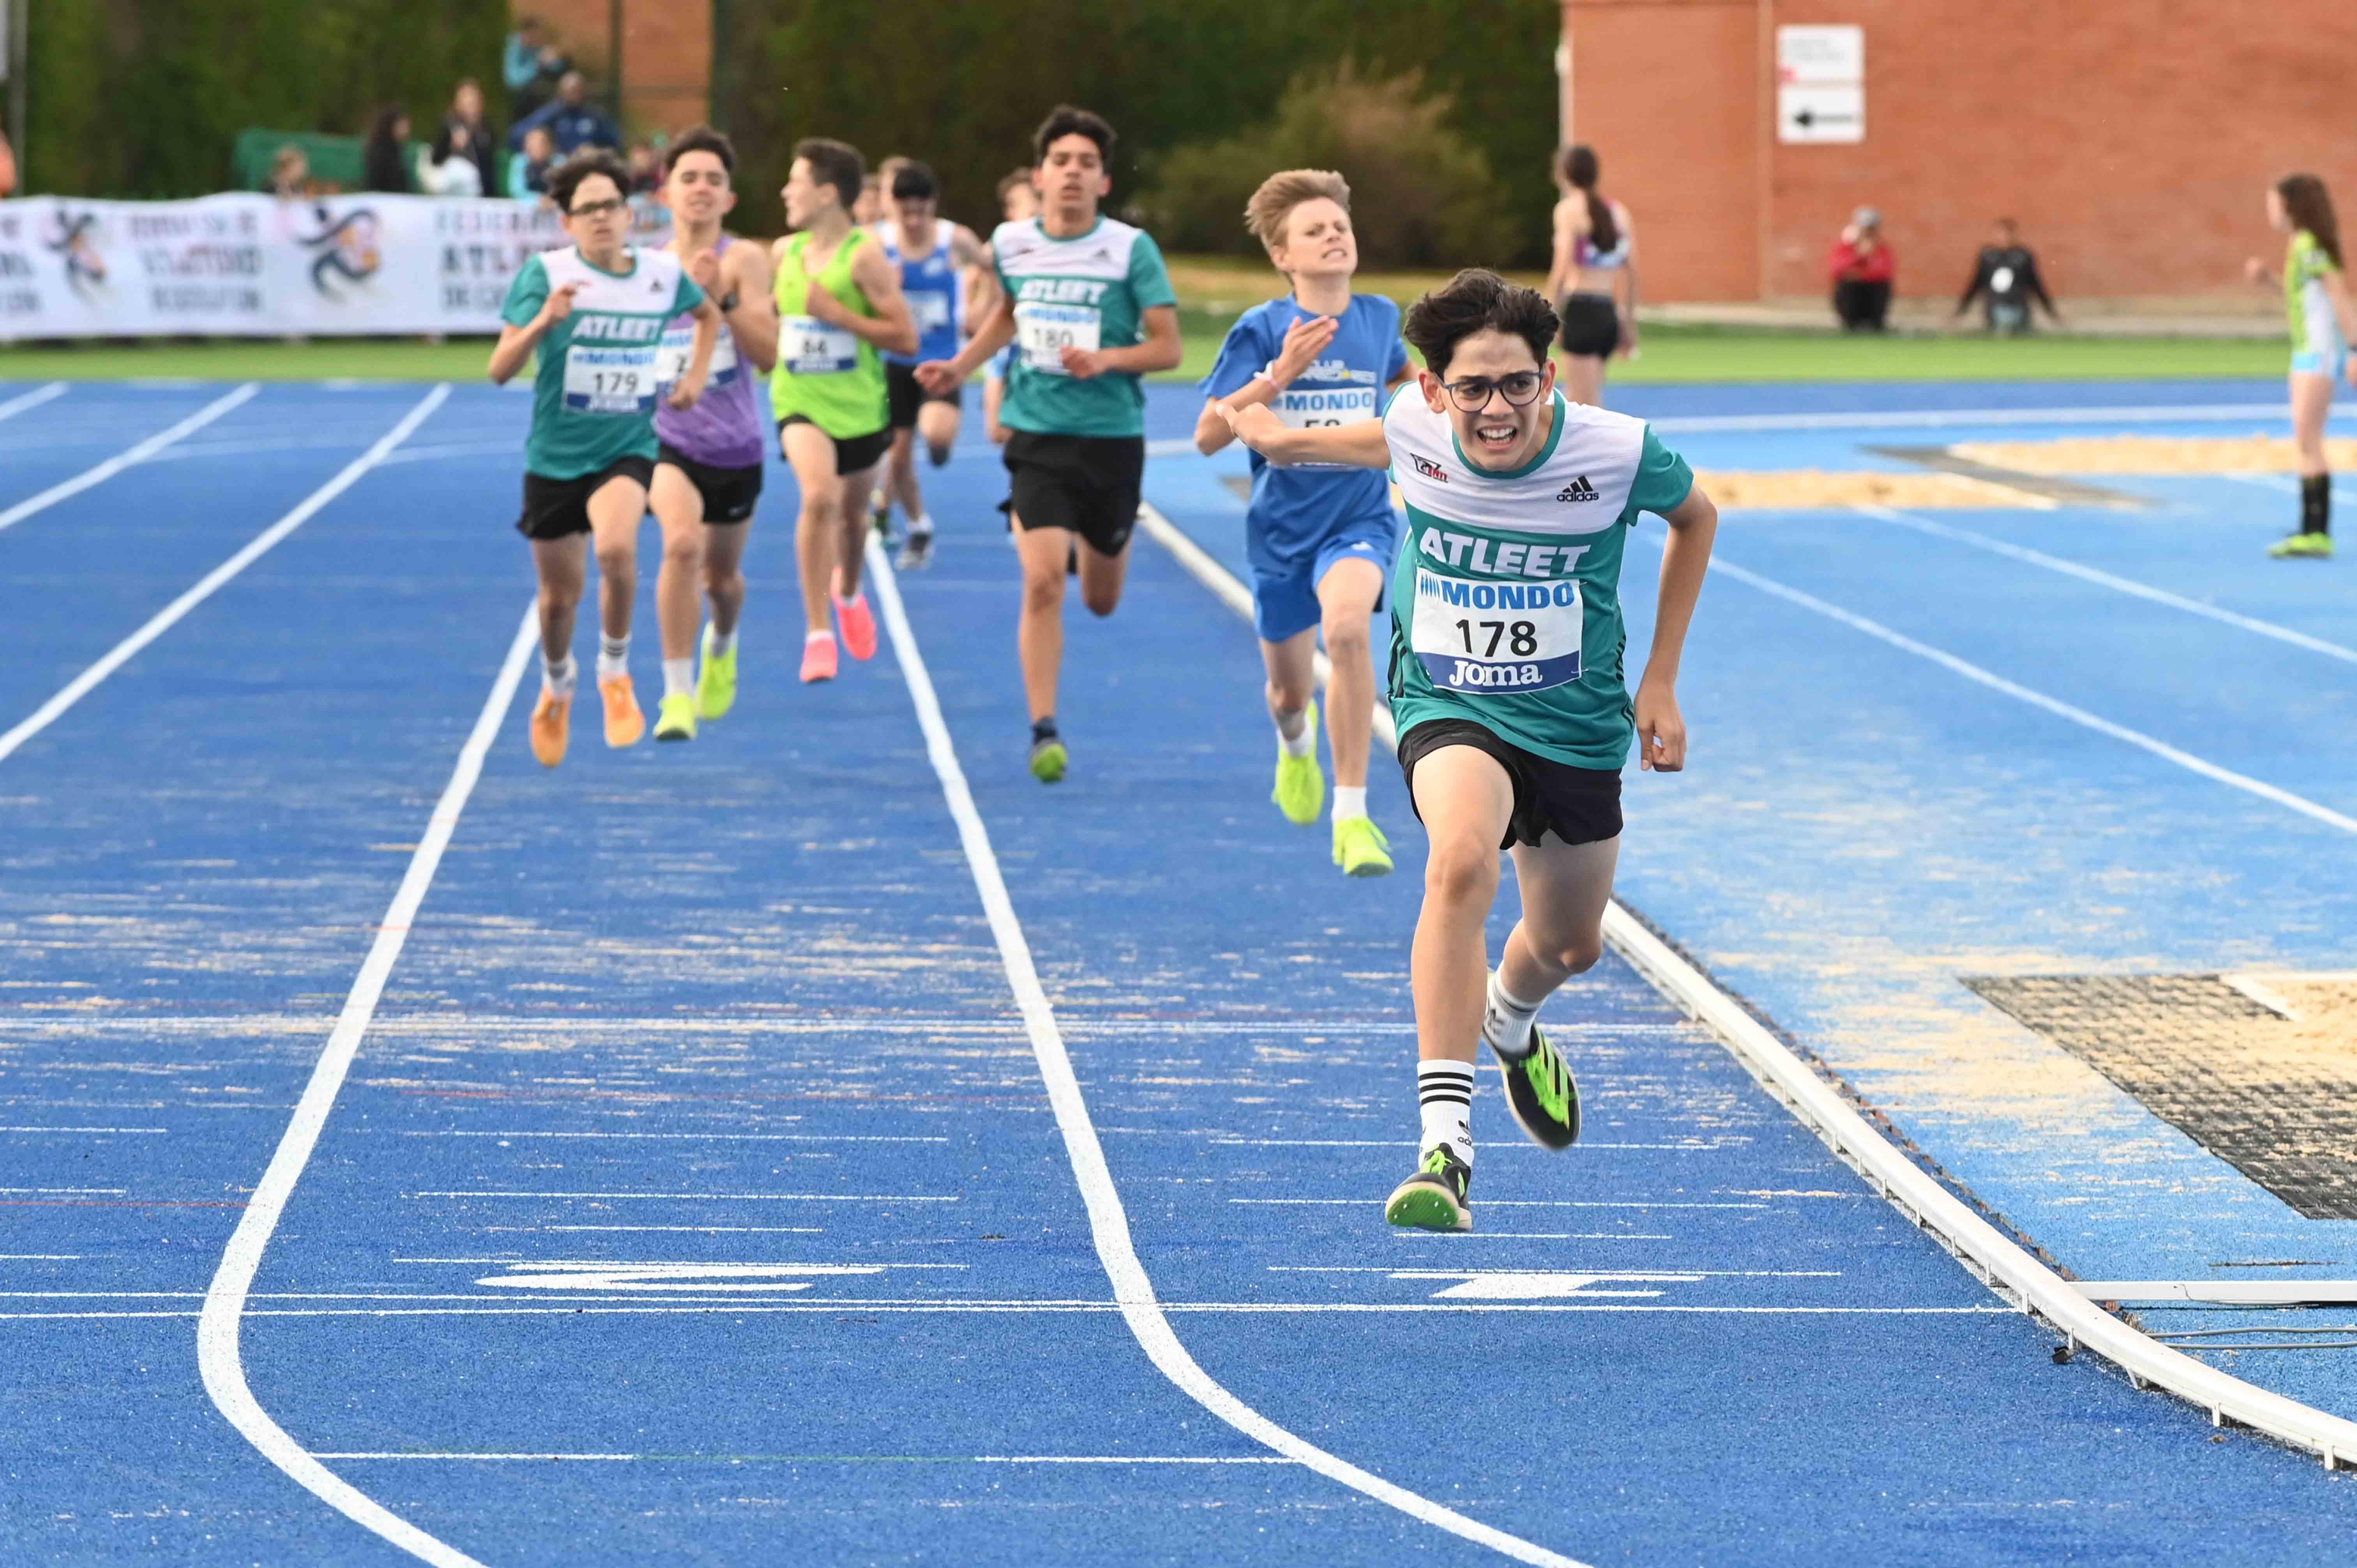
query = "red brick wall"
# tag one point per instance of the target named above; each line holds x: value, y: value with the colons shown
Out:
x: 666, y: 54
x: 2132, y: 138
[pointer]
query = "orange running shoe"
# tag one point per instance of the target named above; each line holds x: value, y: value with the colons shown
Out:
x: 818, y: 657
x: 552, y: 726
x: 858, y: 626
x: 624, y: 722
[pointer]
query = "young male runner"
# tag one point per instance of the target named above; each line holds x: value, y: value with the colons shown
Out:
x: 595, y: 311
x: 1506, y: 683
x: 708, y: 470
x: 1090, y: 303
x: 934, y: 258
x: 1320, y: 538
x: 839, y: 304
x: 1018, y: 203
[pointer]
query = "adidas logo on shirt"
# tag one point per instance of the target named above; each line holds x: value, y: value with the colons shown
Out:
x: 1579, y: 489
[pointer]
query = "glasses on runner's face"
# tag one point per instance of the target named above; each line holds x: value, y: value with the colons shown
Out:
x: 597, y: 209
x: 1472, y: 393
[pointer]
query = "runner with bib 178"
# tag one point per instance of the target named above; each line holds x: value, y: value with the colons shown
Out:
x: 1506, y: 684
x: 1320, y: 538
x: 595, y: 311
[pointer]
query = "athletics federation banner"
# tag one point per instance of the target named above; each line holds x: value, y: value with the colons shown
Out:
x: 241, y: 265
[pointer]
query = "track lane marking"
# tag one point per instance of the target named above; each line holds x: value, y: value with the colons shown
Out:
x: 138, y: 452
x: 33, y: 399
x: 218, y: 1352
x: 162, y: 620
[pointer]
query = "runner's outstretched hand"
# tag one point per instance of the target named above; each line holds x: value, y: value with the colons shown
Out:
x: 1304, y: 342
x: 939, y: 377
x: 1661, y: 729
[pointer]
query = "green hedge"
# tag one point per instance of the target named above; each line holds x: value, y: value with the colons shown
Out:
x: 961, y: 85
x: 146, y: 98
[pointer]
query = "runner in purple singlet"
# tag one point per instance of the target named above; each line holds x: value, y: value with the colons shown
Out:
x: 708, y: 472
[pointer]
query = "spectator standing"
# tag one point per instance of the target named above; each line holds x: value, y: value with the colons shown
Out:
x: 572, y: 121
x: 528, y: 170
x: 2006, y: 280
x: 448, y: 169
x: 1863, y: 271
x: 466, y: 113
x: 384, y: 162
x: 290, y: 174
x: 531, y: 66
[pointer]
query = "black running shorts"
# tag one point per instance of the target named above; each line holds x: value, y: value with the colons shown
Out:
x: 1087, y: 484
x: 730, y: 494
x: 853, y: 453
x: 1578, y: 805
x: 904, y: 396
x: 558, y: 509
x: 1591, y: 325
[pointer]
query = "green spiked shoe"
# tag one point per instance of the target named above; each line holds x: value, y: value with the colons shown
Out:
x: 676, y: 719
x: 1300, y: 791
x: 1360, y: 849
x: 2302, y: 547
x: 716, y: 683
x: 1048, y: 759
x: 1542, y: 1093
x: 1434, y: 1198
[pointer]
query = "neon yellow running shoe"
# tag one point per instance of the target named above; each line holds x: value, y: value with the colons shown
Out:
x: 2302, y: 547
x: 1048, y: 759
x: 716, y: 683
x: 676, y: 718
x: 1434, y: 1198
x: 1300, y: 791
x: 1360, y: 849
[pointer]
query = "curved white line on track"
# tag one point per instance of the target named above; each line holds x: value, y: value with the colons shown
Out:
x: 33, y: 399
x: 2106, y: 580
x: 137, y: 453
x: 217, y: 1357
x: 162, y: 620
x: 1108, y: 1223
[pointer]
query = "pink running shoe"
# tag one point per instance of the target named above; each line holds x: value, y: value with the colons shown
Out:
x: 818, y: 657
x: 858, y: 625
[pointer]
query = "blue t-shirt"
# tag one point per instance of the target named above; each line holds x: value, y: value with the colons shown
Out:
x: 1295, y: 509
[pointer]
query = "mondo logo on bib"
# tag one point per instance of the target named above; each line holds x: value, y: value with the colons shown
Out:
x: 1473, y: 636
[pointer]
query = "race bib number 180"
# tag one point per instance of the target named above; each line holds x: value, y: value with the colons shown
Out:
x: 604, y: 378
x: 1491, y: 636
x: 1044, y: 331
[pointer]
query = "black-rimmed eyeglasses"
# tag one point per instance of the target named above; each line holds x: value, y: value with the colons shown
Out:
x: 1472, y: 393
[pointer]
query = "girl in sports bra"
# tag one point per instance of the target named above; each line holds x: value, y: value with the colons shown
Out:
x: 1594, y: 278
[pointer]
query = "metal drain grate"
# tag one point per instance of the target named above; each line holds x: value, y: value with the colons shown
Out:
x: 2276, y: 1097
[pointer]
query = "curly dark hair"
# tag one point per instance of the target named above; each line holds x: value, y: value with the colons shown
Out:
x: 1477, y: 300
x: 1064, y: 120
x: 567, y: 177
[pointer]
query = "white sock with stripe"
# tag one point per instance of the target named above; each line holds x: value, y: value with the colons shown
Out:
x: 1445, y: 1092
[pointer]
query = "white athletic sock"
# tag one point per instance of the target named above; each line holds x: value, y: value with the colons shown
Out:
x: 1506, y: 1020
x: 556, y: 677
x: 718, y: 643
x: 1350, y: 800
x: 811, y: 637
x: 679, y: 677
x: 1445, y: 1091
x: 613, y: 656
x: 921, y: 523
x: 1303, y: 741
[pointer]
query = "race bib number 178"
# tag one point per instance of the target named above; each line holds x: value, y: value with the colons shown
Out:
x: 1486, y: 637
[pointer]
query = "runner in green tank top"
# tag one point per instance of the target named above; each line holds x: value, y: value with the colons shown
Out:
x: 1506, y: 684
x: 838, y: 305
x: 2323, y: 323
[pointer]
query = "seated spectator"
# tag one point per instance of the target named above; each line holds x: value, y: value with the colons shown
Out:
x: 290, y: 174
x: 448, y: 167
x: 466, y: 112
x: 2006, y: 280
x: 531, y: 66
x: 646, y: 168
x: 1863, y: 270
x: 384, y: 163
x: 528, y: 170
x: 572, y: 120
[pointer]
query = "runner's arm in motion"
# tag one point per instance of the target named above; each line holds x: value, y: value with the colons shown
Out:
x: 1304, y: 342
x: 1359, y: 444
x: 892, y: 327
x: 754, y: 322
x: 994, y: 333
x: 690, y: 387
x: 1567, y: 214
x: 972, y: 259
x: 2336, y: 289
x: 516, y: 343
x: 1627, y: 290
x: 1685, y: 557
x: 1162, y: 351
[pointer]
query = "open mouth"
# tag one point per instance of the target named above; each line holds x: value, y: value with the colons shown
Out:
x: 1496, y: 435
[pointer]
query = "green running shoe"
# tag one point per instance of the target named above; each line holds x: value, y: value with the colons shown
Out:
x: 676, y: 719
x: 1434, y: 1198
x: 1048, y: 759
x: 716, y: 683
x: 1541, y: 1093
x: 2302, y: 547
x: 1360, y: 849
x: 1300, y: 791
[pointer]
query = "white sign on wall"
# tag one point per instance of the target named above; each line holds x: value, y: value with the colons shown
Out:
x: 1821, y: 84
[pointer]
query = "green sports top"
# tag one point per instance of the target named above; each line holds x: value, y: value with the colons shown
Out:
x: 2314, y: 327
x: 1505, y: 597
x: 1091, y: 290
x: 830, y: 375
x: 593, y: 394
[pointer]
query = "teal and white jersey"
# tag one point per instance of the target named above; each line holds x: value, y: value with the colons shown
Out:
x: 1505, y: 595
x: 594, y: 393
x: 1089, y: 292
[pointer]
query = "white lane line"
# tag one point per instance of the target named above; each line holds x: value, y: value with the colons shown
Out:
x: 1516, y: 1203
x: 837, y: 1305
x: 853, y: 1458
x: 164, y: 619
x: 1406, y: 1235
x: 218, y: 1355
x: 2119, y: 585
x: 696, y: 1229
x: 40, y: 1257
x: 139, y: 452
x: 708, y: 1196
x: 696, y: 1137
x: 2060, y: 709
x: 479, y: 1458
x: 33, y: 399
x: 1410, y: 1144
x: 38, y: 1129
x: 1108, y: 1225
x: 1915, y: 418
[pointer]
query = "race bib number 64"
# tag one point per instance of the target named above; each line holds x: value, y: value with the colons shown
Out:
x: 1491, y: 636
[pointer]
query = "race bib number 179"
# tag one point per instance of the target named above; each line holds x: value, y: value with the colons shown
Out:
x: 1487, y: 637
x: 610, y: 378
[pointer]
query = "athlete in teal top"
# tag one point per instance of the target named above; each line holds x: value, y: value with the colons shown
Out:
x: 1506, y: 685
x: 2323, y: 323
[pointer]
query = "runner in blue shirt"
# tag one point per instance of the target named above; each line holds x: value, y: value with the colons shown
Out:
x: 1320, y: 537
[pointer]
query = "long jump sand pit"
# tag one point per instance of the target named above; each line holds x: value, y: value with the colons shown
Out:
x: 2151, y: 454
x: 1797, y: 489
